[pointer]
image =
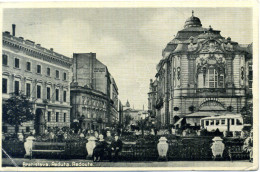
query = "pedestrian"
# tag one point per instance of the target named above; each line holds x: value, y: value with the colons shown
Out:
x: 99, y: 150
x: 115, y: 148
x: 248, y: 145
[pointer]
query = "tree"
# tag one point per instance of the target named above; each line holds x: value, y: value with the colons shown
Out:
x: 17, y: 109
x: 143, y: 124
x: 126, y: 121
x: 247, y: 114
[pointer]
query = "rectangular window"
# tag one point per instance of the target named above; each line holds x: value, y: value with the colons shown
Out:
x: 64, y: 117
x: 49, y: 116
x: 39, y: 69
x: 48, y: 93
x: 38, y: 91
x: 217, y: 122
x: 5, y: 59
x: 28, y: 89
x: 221, y: 81
x: 16, y: 87
x: 212, y: 78
x: 57, y: 74
x: 239, y: 122
x: 64, y: 76
x: 57, y: 116
x: 5, y: 129
x: 28, y: 66
x: 65, y: 96
x: 57, y: 94
x: 48, y: 71
x: 223, y: 122
x: 212, y: 122
x: 232, y: 121
x: 16, y: 63
x: 27, y: 129
x: 4, y: 85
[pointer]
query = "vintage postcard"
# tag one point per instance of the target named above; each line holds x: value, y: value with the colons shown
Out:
x: 129, y: 86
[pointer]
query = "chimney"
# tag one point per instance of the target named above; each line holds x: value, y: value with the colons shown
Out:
x: 13, y: 26
x: 51, y: 49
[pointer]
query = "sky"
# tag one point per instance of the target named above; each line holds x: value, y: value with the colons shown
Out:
x: 128, y: 40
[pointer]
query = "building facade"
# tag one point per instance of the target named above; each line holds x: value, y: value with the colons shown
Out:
x: 201, y: 71
x: 136, y: 114
x: 42, y: 75
x: 94, y: 93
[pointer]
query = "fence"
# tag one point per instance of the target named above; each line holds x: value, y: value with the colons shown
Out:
x: 182, y: 148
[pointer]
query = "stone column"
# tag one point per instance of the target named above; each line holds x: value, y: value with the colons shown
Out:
x: 53, y: 93
x: 34, y: 88
x: 23, y: 89
x: 61, y: 94
x: 167, y: 74
x: 44, y: 90
x: 11, y: 83
x: 229, y: 71
x: 192, y: 70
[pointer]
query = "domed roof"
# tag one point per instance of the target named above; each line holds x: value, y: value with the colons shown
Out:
x: 192, y: 21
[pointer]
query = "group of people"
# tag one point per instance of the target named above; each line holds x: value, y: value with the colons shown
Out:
x: 103, y: 149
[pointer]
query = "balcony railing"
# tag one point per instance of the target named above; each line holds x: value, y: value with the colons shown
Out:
x: 210, y: 90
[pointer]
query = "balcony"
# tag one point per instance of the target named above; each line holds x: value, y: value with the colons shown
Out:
x: 211, y: 90
x: 206, y: 92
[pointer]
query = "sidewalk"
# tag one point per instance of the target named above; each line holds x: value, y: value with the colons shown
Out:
x: 21, y: 162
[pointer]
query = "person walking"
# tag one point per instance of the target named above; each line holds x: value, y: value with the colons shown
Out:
x: 248, y: 145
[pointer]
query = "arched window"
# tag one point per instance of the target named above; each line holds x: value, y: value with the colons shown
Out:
x: 211, y: 77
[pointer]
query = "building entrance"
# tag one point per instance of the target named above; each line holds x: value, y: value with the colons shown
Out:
x: 39, y: 124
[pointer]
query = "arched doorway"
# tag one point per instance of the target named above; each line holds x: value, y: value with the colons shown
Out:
x: 39, y: 125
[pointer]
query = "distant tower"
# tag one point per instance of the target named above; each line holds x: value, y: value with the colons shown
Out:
x: 127, y: 104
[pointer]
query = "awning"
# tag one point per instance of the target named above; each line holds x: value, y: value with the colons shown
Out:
x: 178, y: 122
x: 226, y: 116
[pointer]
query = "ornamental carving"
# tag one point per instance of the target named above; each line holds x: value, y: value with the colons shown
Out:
x: 204, y: 62
x: 192, y: 47
x: 211, y: 47
x: 228, y: 47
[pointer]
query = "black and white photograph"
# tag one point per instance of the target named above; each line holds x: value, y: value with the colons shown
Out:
x: 139, y: 87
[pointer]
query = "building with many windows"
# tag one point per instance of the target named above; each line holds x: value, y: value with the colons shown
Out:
x: 42, y: 75
x: 94, y: 93
x: 201, y: 73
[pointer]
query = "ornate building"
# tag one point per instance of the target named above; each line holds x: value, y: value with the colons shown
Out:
x: 42, y: 75
x: 94, y: 93
x: 201, y: 71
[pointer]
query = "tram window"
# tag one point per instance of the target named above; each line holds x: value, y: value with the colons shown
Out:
x: 239, y: 122
x: 207, y: 123
x: 217, y: 122
x: 232, y: 121
x: 223, y: 121
x: 212, y: 122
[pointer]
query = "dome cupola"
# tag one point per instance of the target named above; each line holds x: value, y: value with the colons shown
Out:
x: 192, y: 21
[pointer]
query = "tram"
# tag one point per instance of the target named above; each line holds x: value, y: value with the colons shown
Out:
x: 227, y: 122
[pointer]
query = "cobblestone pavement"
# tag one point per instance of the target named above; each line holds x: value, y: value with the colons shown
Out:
x: 88, y: 163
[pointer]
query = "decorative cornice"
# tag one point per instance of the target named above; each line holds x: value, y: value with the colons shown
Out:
x: 29, y: 48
